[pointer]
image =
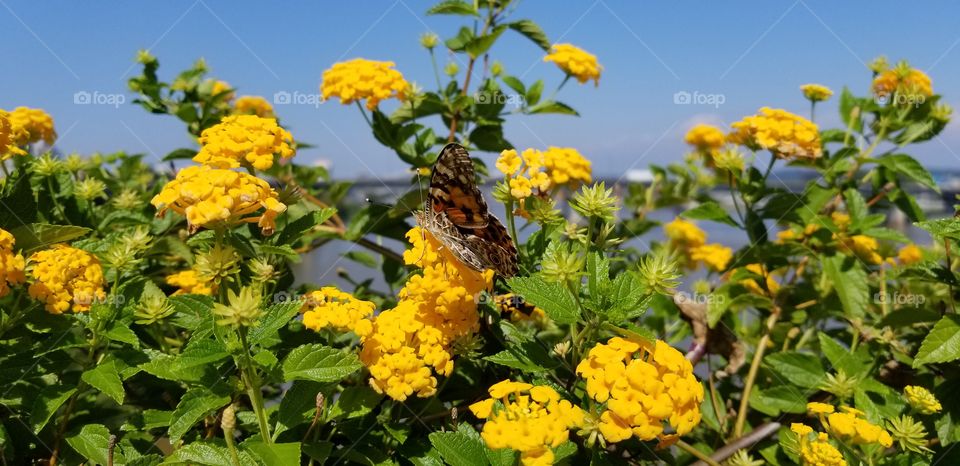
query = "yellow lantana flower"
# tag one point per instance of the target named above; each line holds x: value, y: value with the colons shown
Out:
x: 714, y: 256
x: 361, y: 79
x: 921, y: 399
x: 819, y: 451
x: 910, y: 254
x: 816, y: 92
x: 11, y: 264
x: 863, y: 247
x: 786, y: 135
x: 527, y: 418
x: 851, y: 426
x: 190, y: 282
x: 330, y: 307
x: 684, y: 233
x: 253, y: 105
x: 643, y: 385
x: 65, y: 278
x: 705, y: 138
x: 215, y: 198
x: 509, y: 162
x: 575, y: 62
x: 904, y: 80
x: 10, y: 137
x: 244, y: 141
x: 32, y: 125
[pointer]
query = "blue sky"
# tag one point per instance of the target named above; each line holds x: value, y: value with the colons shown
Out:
x: 754, y: 53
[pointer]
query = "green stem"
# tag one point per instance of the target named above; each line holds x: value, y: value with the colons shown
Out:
x: 511, y: 224
x: 250, y: 380
x: 231, y: 445
x: 364, y: 113
x: 752, y: 374
x: 697, y: 453
x: 436, y: 72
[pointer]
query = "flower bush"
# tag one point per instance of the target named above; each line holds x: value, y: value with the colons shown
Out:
x: 158, y: 315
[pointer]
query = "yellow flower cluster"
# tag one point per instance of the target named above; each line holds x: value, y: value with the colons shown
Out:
x: 190, y: 282
x: 221, y: 87
x: 543, y: 170
x: 687, y: 238
x: 904, y: 80
x: 10, y: 136
x: 921, y: 399
x: 849, y: 425
x: 33, y: 125
x: 11, y: 264
x: 786, y: 135
x: 65, y: 278
x: 705, y: 138
x: 816, y: 92
x: 412, y: 343
x: 862, y: 246
x: 752, y: 286
x: 244, y: 140
x: 527, y: 418
x: 819, y: 451
x: 211, y: 197
x: 360, y: 79
x: 643, y: 385
x: 575, y: 62
x: 910, y: 254
x: 330, y: 307
x: 253, y: 105
x: 518, y: 310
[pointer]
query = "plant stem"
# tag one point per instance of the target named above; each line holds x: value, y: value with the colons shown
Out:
x: 699, y: 454
x: 752, y: 374
x: 364, y: 113
x: 231, y: 445
x: 249, y: 376
x: 946, y: 248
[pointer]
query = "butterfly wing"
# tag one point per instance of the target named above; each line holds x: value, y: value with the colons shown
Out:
x: 453, y: 189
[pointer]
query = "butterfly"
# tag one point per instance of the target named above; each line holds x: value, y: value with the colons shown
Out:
x: 456, y: 214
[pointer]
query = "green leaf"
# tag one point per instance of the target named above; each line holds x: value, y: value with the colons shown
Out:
x: 847, y: 103
x: 527, y: 356
x: 942, y: 344
x: 852, y: 364
x: 274, y: 318
x: 36, y: 236
x: 47, y: 402
x: 907, y: 165
x: 453, y: 7
x: 296, y: 228
x: 710, y: 210
x: 482, y: 44
x: 801, y: 369
x: 299, y: 404
x: 200, y: 353
x: 628, y: 298
x: 532, y: 31
x: 106, y: 378
x: 179, y: 154
x: 555, y: 300
x: 514, y: 84
x: 489, y: 138
x: 208, y: 454
x: 533, y: 93
x: 849, y: 280
x: 778, y: 399
x: 318, y: 363
x: 552, y: 106
x: 194, y: 406
x: 940, y: 228
x: 459, y: 449
x: 354, y: 402
x: 19, y: 205
x: 274, y: 454
x: 93, y: 442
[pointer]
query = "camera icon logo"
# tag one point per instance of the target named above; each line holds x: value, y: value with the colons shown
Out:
x: 282, y: 98
x: 82, y: 98
x: 682, y: 98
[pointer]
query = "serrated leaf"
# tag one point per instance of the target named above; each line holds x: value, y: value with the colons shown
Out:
x: 298, y: 405
x: 849, y: 280
x: 907, y: 165
x: 778, y: 399
x: 552, y: 106
x: 180, y: 154
x: 34, y: 236
x: 208, y: 454
x: 555, y: 300
x: 296, y: 228
x: 47, y: 402
x: 712, y: 211
x: 274, y: 454
x: 453, y: 7
x: 942, y: 344
x: 459, y: 449
x: 92, y: 442
x: 532, y: 31
x: 354, y: 402
x: 274, y: 318
x: 852, y: 364
x: 318, y: 363
x: 106, y: 378
x: 195, y: 404
x: 801, y: 369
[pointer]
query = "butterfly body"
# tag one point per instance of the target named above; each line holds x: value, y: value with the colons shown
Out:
x: 456, y: 214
